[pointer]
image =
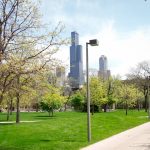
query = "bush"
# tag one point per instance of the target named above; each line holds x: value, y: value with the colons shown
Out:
x: 77, y: 101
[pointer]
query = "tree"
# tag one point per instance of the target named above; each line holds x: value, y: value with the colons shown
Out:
x: 19, y: 23
x: 139, y: 98
x: 127, y: 96
x: 77, y: 101
x: 26, y: 45
x: 24, y: 41
x: 52, y: 100
x: 96, y: 92
x: 140, y: 76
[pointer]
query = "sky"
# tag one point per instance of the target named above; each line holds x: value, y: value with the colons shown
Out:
x: 122, y: 28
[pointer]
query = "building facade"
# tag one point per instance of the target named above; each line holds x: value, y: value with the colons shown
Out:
x: 76, y: 62
x: 60, y: 75
x: 104, y: 73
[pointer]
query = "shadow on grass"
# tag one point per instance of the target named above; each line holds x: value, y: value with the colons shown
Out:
x: 45, y: 140
x: 6, y: 124
x: 44, y: 117
x: 65, y: 140
x: 11, y: 148
x: 72, y: 140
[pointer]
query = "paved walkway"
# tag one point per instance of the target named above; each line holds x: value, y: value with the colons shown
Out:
x: 137, y: 138
x: 9, y: 122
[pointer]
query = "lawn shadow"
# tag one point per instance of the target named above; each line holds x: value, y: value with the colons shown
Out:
x: 11, y: 148
x: 44, y: 117
x: 71, y: 140
x: 65, y: 140
x: 45, y: 140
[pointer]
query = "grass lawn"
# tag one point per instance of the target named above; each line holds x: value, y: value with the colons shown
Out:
x: 64, y: 131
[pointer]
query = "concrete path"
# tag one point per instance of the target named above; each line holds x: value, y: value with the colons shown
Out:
x: 137, y: 138
x: 9, y: 122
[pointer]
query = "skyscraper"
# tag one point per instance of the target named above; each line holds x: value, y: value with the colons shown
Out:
x: 60, y: 74
x: 104, y: 73
x: 103, y: 63
x: 76, y: 62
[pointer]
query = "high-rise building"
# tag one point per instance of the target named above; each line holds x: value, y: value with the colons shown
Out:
x: 60, y: 75
x: 103, y: 63
x: 104, y: 73
x: 76, y: 62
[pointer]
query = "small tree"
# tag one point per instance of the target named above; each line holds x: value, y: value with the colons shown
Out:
x: 77, y: 101
x: 51, y: 101
x: 96, y: 92
x: 128, y: 96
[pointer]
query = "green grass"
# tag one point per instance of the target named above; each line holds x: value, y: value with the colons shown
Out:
x: 64, y: 131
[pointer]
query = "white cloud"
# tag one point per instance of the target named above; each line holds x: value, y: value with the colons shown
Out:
x: 123, y: 50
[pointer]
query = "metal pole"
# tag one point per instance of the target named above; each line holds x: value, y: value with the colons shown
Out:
x: 88, y: 96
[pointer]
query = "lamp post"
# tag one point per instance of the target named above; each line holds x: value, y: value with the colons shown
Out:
x: 92, y: 43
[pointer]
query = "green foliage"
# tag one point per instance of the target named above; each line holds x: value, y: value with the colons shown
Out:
x: 127, y: 94
x: 77, y: 101
x: 96, y: 91
x: 104, y: 101
x: 52, y: 100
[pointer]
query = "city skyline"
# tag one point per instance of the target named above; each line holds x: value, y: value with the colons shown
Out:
x: 122, y: 28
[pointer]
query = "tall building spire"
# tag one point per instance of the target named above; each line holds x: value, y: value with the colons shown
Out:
x: 74, y: 38
x: 76, y: 62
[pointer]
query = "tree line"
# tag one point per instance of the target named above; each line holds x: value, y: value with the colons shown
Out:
x: 27, y: 48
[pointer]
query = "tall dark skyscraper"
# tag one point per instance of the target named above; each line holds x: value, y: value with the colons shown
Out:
x: 103, y: 63
x: 104, y: 73
x: 76, y: 62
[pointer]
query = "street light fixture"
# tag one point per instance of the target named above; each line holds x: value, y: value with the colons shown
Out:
x: 93, y: 42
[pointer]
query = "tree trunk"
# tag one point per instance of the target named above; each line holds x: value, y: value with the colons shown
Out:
x: 65, y: 107
x: 37, y: 107
x: 105, y: 108
x: 138, y: 105
x: 18, y: 108
x: 11, y: 106
x: 52, y: 112
x: 146, y: 106
x: 8, y: 111
x: 126, y: 108
x: 49, y: 113
x: 18, y: 100
x: 93, y: 109
x: 1, y: 98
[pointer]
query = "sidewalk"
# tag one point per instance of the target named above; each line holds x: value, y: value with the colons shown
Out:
x: 137, y: 138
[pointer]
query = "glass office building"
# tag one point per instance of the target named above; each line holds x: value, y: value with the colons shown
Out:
x: 76, y: 62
